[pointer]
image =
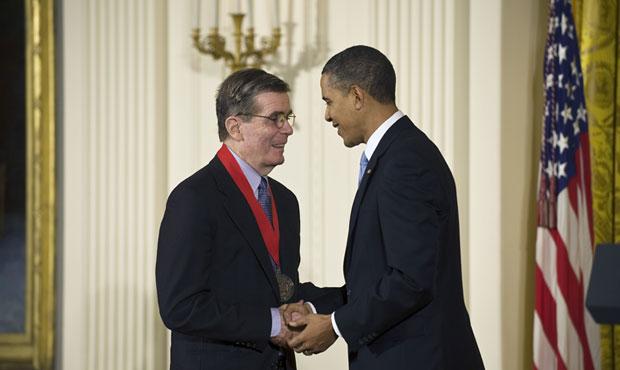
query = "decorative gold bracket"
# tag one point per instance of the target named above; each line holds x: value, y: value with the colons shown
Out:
x: 215, y: 45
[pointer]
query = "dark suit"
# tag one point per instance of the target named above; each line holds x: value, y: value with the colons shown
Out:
x: 215, y: 280
x: 402, y: 268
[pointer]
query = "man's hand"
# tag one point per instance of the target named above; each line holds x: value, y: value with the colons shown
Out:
x: 317, y: 336
x: 281, y: 340
x: 288, y: 313
x: 294, y: 311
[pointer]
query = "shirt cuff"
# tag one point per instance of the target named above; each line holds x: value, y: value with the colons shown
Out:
x: 311, y: 307
x: 335, y: 325
x: 276, y: 322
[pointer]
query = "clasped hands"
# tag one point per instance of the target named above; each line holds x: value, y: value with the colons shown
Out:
x: 304, y: 331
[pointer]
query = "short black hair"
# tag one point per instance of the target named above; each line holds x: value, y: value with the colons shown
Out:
x: 365, y: 67
x: 236, y: 94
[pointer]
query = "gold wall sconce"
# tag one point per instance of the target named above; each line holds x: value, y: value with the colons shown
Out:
x: 246, y: 53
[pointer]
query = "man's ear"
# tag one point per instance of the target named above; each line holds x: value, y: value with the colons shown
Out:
x: 359, y: 96
x: 232, y: 126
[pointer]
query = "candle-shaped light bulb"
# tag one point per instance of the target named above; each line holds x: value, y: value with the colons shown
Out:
x: 213, y: 14
x: 275, y: 13
x: 197, y: 15
x: 250, y: 14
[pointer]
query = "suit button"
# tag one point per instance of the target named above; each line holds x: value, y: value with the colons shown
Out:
x: 348, y: 292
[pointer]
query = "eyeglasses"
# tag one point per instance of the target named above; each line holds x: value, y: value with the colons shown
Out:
x: 279, y: 119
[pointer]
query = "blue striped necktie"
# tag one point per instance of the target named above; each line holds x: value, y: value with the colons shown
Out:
x: 363, y: 164
x: 263, y: 197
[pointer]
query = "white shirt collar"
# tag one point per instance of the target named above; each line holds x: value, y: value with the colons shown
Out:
x: 250, y: 173
x: 375, y: 138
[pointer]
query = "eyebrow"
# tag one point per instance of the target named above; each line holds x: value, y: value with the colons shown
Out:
x: 290, y: 111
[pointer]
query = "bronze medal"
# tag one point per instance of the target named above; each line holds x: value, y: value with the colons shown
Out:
x: 286, y: 286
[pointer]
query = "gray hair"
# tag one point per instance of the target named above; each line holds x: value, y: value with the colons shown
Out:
x: 365, y: 67
x: 238, y: 92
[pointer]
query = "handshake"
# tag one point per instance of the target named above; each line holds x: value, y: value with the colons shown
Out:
x: 303, y: 331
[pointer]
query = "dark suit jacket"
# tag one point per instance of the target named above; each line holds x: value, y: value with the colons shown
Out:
x: 404, y: 307
x: 215, y: 280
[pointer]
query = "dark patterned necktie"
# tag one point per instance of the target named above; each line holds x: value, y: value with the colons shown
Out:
x: 263, y: 197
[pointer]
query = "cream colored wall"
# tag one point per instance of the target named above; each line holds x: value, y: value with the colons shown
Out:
x: 506, y: 52
x: 506, y: 44
x: 139, y: 117
x: 113, y: 176
x: 522, y: 107
x: 485, y: 197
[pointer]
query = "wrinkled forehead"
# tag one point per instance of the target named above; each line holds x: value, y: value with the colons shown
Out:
x: 272, y: 102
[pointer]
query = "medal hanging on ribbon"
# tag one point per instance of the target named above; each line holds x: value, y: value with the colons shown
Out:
x: 285, y: 285
x: 269, y: 232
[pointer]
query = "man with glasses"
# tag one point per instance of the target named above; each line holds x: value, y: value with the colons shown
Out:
x: 228, y: 248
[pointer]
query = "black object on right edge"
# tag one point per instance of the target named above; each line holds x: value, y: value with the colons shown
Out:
x: 603, y: 299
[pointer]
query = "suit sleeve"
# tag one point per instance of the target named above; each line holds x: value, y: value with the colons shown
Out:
x: 325, y: 300
x: 184, y: 256
x: 409, y: 215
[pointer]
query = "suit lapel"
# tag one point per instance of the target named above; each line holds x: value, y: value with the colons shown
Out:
x: 359, y: 195
x: 287, y: 241
x: 371, y: 168
x: 241, y: 214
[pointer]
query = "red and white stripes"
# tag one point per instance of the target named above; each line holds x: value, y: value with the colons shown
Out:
x: 565, y: 335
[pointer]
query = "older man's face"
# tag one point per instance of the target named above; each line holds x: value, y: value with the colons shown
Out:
x: 262, y: 144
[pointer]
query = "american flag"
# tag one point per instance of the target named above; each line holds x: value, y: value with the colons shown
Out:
x: 565, y: 335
